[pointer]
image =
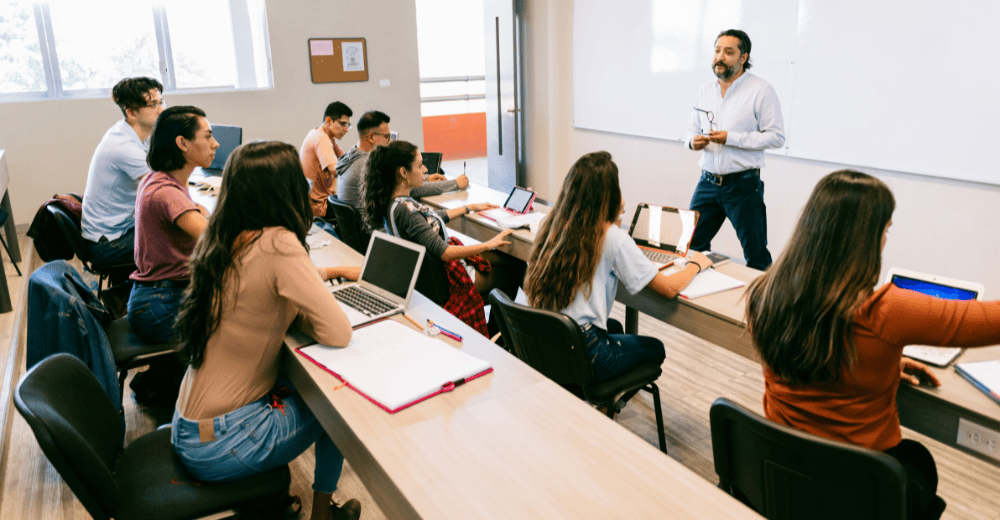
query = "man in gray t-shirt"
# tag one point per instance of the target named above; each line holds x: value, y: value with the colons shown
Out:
x: 373, y: 129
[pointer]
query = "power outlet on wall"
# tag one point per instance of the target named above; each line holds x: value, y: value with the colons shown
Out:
x: 979, y: 438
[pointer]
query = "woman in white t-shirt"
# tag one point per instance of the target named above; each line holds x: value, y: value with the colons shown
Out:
x: 580, y: 255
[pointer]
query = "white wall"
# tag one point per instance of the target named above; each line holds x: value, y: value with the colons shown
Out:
x: 941, y: 226
x: 49, y: 143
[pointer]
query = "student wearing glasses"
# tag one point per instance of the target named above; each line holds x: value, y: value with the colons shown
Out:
x: 119, y: 163
x: 319, y: 154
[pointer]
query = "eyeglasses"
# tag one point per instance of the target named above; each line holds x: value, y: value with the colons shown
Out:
x: 711, y: 119
x: 155, y: 104
x: 383, y: 135
x: 345, y: 124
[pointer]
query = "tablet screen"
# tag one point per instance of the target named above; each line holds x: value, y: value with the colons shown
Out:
x: 519, y: 200
x: 933, y: 289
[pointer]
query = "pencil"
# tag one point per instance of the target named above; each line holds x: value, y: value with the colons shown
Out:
x: 413, y: 321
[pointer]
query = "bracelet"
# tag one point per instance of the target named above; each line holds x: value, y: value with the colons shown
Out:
x: 697, y: 264
x: 467, y: 209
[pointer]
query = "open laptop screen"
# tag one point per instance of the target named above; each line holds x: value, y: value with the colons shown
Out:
x: 938, y: 290
x: 390, y: 266
x: 667, y: 229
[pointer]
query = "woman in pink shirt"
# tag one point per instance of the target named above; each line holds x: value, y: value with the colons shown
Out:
x: 167, y: 221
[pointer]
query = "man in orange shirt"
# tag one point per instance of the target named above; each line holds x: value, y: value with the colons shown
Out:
x: 319, y: 153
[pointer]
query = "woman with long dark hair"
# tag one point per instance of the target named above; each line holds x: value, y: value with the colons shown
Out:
x: 832, y: 344
x: 251, y: 277
x: 392, y: 171
x: 580, y: 255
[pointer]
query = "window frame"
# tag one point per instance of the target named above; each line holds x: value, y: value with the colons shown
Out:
x: 246, y: 67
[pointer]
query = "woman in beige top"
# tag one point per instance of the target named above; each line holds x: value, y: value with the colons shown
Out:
x: 251, y: 277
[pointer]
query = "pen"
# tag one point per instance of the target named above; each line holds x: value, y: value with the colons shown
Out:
x: 413, y: 321
x: 450, y: 334
x: 463, y: 167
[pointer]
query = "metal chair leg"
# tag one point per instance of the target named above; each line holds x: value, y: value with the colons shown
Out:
x: 659, y: 414
x: 4, y: 242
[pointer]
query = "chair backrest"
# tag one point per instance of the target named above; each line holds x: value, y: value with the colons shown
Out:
x: 77, y: 428
x: 228, y: 137
x: 785, y: 473
x: 349, y: 226
x: 432, y: 280
x: 71, y: 232
x: 550, y: 342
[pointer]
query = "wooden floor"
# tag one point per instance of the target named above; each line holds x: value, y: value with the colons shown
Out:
x: 694, y: 375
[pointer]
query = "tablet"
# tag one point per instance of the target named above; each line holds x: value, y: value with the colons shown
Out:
x: 519, y: 200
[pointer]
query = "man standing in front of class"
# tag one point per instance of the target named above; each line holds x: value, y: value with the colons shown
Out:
x: 735, y: 118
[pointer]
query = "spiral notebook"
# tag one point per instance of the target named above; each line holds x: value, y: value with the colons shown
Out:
x: 396, y: 367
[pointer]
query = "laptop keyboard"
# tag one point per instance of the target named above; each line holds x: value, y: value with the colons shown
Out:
x: 365, y: 302
x: 660, y: 257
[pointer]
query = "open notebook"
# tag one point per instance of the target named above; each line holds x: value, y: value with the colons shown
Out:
x: 395, y: 367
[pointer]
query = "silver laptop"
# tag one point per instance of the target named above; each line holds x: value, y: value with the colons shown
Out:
x: 939, y: 287
x: 387, y: 279
x: 663, y: 233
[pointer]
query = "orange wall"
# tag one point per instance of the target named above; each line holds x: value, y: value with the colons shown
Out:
x: 457, y: 136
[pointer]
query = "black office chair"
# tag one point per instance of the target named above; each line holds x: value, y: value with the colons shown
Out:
x: 130, y: 352
x: 552, y: 343
x: 349, y: 226
x: 3, y: 220
x: 784, y: 473
x: 71, y: 232
x: 80, y: 433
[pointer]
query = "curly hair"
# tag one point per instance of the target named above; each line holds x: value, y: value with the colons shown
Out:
x: 380, y: 180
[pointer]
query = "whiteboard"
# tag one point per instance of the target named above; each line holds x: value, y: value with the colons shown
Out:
x: 897, y: 85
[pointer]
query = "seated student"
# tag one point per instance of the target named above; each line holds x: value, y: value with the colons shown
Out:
x: 831, y: 344
x: 251, y: 277
x: 168, y: 222
x: 580, y: 255
x: 108, y: 220
x: 373, y: 130
x: 390, y: 175
x: 319, y: 154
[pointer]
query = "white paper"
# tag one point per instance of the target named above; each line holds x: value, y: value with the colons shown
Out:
x: 354, y: 57
x: 709, y: 281
x: 394, y: 364
x: 655, y: 217
x: 321, y: 47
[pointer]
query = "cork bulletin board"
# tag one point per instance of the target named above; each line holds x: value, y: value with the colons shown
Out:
x: 338, y: 59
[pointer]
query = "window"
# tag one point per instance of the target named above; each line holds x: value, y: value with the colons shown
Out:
x: 70, y: 49
x: 452, y: 76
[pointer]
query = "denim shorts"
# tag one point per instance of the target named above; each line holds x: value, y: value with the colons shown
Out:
x: 256, y: 438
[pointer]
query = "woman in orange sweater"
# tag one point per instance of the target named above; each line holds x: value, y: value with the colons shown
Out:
x: 832, y: 343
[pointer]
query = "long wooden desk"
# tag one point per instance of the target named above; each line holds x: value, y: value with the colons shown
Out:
x: 509, y: 445
x: 718, y: 318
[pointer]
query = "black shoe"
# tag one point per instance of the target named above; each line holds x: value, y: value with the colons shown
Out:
x: 350, y: 510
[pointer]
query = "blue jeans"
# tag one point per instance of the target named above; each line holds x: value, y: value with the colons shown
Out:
x: 257, y: 438
x: 615, y: 353
x: 742, y: 201
x: 152, y: 311
x: 110, y: 253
